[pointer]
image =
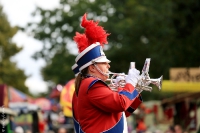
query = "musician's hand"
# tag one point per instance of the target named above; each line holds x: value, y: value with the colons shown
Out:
x: 120, y: 78
x: 143, y: 83
x: 133, y: 76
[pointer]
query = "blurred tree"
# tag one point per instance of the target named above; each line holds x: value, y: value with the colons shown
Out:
x: 9, y: 73
x: 60, y: 70
x: 165, y: 31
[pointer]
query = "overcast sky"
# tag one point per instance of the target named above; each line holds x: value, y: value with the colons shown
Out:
x: 19, y: 13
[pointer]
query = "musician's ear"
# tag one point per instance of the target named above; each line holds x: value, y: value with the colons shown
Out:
x: 91, y: 68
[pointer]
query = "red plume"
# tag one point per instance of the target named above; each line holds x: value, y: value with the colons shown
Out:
x: 81, y: 41
x: 93, y: 34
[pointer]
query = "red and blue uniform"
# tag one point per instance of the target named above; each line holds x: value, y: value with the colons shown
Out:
x: 98, y: 109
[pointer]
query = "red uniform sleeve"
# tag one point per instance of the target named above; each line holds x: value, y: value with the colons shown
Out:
x: 107, y: 100
x: 134, y: 106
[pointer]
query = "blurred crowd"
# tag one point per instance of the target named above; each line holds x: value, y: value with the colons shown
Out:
x: 47, y: 123
x: 58, y: 123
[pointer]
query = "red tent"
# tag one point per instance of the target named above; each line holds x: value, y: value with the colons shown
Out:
x: 18, y: 96
x: 55, y: 93
x: 43, y: 103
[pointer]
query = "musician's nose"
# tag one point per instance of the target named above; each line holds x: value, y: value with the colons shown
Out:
x: 108, y: 65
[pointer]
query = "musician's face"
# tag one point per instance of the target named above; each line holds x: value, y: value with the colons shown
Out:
x: 104, y: 68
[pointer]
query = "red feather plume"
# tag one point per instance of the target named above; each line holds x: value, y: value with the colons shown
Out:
x: 81, y: 41
x: 93, y: 33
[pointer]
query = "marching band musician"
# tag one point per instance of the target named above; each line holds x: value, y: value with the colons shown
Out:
x: 97, y: 108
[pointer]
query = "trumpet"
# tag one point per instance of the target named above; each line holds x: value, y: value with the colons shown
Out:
x: 143, y: 82
x: 113, y: 81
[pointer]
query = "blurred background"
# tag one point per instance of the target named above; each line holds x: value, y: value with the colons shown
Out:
x: 37, y: 52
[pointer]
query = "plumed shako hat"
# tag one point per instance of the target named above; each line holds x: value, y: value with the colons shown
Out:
x: 90, y: 45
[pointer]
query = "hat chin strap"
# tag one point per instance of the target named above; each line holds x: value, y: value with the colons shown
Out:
x: 105, y: 74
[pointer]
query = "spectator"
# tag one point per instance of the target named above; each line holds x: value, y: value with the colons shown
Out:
x: 19, y: 129
x: 62, y: 130
x: 170, y: 129
x: 49, y: 122
x: 12, y: 123
x: 41, y: 122
x: 178, y: 129
x: 141, y: 126
x: 28, y: 131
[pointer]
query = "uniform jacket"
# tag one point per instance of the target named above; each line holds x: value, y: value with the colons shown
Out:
x: 98, y: 109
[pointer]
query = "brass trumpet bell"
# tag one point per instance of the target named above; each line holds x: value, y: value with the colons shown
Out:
x: 157, y: 82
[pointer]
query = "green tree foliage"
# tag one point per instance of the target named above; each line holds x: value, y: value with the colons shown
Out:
x: 165, y: 31
x: 61, y: 70
x: 9, y: 73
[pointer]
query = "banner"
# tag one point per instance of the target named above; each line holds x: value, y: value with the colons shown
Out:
x: 170, y: 86
x: 185, y: 74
